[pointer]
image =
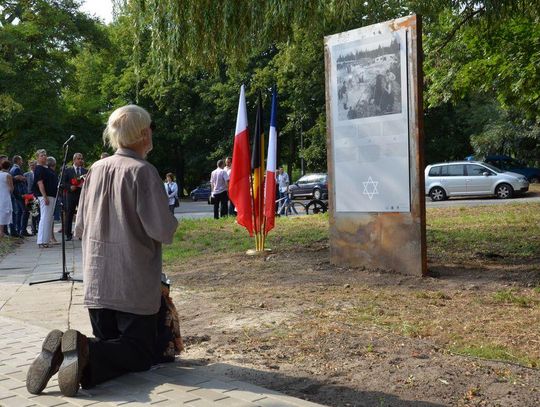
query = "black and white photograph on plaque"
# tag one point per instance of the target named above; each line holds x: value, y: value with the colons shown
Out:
x: 368, y: 77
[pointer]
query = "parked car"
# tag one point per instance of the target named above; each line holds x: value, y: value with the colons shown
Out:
x: 462, y: 178
x: 310, y: 186
x: 507, y: 163
x: 201, y: 192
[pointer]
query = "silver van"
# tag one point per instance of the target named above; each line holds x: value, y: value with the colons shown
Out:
x: 462, y: 178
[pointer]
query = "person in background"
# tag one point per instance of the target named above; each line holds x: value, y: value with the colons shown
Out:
x: 123, y: 221
x: 19, y: 189
x: 2, y: 159
x: 6, y: 188
x: 228, y: 169
x: 282, y: 179
x: 29, y: 176
x: 104, y: 155
x: 218, y: 187
x: 73, y: 182
x: 45, y: 184
x: 171, y: 188
x: 51, y: 164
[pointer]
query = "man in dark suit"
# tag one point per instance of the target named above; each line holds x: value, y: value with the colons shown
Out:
x: 73, y: 180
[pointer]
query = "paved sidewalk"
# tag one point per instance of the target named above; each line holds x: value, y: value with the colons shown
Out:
x: 28, y: 312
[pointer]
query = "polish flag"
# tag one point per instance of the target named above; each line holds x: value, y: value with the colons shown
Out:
x: 270, y: 184
x: 239, y: 182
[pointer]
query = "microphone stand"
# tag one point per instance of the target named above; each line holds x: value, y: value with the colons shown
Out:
x: 66, y: 276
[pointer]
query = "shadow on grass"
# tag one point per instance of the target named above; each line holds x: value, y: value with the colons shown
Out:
x: 520, y: 273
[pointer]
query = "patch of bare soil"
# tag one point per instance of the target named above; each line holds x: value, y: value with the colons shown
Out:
x: 297, y: 324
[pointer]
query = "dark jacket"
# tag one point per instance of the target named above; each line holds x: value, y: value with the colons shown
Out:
x: 70, y: 178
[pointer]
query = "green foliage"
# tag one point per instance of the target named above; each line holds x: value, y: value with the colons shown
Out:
x: 37, y: 40
x: 507, y: 133
x: 62, y: 73
x: 501, y: 59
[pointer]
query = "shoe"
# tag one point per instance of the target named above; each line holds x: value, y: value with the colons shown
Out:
x: 75, y: 352
x: 46, y: 364
x: 68, y: 238
x: 26, y: 234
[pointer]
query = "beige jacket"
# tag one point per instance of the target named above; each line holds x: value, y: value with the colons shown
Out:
x: 123, y: 218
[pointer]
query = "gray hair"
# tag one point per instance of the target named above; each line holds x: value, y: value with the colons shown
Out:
x: 125, y: 126
x: 51, y: 161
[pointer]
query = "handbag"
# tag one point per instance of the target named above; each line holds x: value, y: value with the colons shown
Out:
x: 176, y: 202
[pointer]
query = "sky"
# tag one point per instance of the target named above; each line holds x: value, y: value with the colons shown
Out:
x: 99, y: 8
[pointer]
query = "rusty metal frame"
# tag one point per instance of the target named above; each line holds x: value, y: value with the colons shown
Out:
x: 390, y: 241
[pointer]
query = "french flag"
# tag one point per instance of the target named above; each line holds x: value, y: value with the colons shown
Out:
x: 239, y: 182
x: 270, y: 183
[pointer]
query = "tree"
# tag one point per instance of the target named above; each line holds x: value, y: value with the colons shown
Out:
x: 462, y: 41
x: 37, y: 38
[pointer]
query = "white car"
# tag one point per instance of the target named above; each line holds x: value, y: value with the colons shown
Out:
x: 462, y: 178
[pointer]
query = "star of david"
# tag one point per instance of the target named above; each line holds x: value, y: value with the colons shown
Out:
x: 370, y: 188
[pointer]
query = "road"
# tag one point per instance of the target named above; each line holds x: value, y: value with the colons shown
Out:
x: 194, y: 210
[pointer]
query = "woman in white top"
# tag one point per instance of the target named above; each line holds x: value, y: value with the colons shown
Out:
x: 172, y: 191
x: 6, y: 188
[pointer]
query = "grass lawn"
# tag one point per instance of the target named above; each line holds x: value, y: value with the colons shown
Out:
x: 454, y: 234
x: 496, y: 319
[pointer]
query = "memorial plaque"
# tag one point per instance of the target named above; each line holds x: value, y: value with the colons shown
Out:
x: 375, y: 146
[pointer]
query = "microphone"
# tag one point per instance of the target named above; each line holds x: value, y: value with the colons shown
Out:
x: 72, y: 137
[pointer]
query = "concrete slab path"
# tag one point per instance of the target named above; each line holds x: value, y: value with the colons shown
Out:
x: 28, y: 312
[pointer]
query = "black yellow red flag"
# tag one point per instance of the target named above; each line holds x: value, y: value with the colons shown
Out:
x: 257, y: 166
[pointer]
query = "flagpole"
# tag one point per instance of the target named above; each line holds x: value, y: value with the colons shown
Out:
x: 264, y: 215
x: 253, y: 208
x: 264, y: 231
x: 261, y: 204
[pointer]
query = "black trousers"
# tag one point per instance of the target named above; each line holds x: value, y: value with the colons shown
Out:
x: 220, y: 199
x: 231, y: 206
x: 123, y: 343
x: 71, y: 202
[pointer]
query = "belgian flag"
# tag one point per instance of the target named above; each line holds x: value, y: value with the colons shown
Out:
x: 257, y: 166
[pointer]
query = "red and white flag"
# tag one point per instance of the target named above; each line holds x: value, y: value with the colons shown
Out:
x: 270, y: 183
x: 239, y: 182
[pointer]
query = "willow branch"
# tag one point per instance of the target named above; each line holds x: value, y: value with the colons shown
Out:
x: 458, y: 26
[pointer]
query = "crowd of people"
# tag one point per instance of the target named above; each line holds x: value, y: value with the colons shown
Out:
x: 33, y: 198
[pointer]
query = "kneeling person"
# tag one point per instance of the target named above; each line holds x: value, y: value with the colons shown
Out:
x: 123, y: 221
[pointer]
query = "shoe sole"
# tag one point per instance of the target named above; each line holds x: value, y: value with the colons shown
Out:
x: 70, y: 371
x: 42, y: 369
